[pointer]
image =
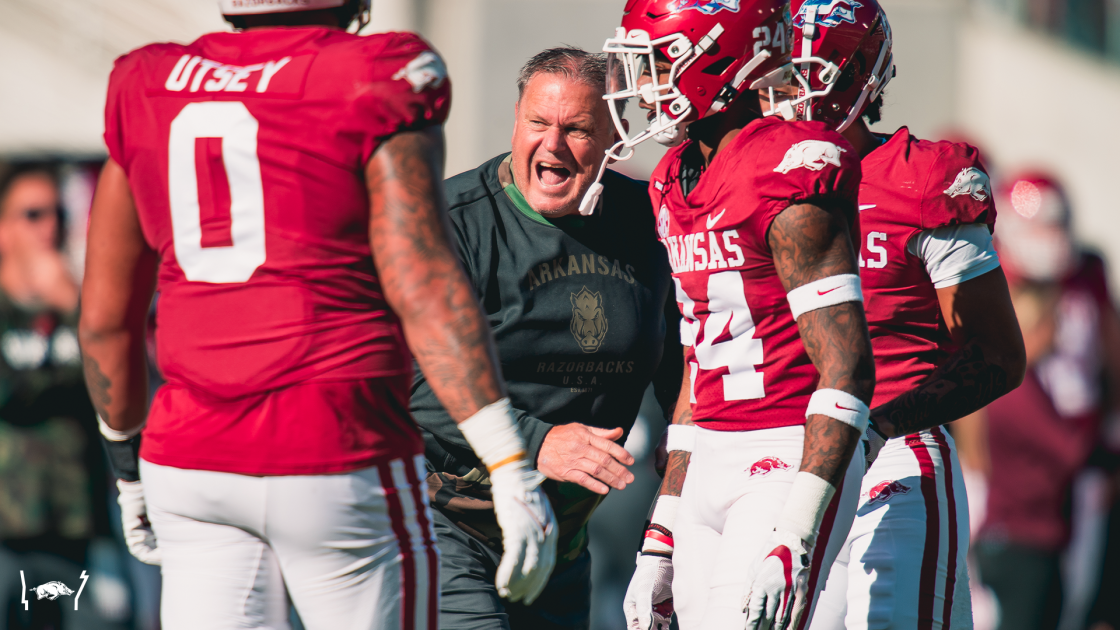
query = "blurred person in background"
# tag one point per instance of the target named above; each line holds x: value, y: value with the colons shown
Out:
x: 1031, y: 446
x: 52, y: 476
x: 583, y: 312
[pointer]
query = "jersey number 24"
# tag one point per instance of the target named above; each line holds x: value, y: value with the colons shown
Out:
x: 727, y: 311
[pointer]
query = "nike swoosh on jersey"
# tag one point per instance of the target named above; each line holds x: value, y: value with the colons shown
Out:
x: 828, y: 291
x: 866, y: 207
x: 711, y: 221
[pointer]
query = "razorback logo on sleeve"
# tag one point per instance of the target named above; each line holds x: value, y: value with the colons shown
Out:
x: 811, y: 154
x: 276, y: 77
x: 426, y: 70
x: 971, y: 181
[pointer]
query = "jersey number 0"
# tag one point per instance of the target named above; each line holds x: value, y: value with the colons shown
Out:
x: 235, y: 129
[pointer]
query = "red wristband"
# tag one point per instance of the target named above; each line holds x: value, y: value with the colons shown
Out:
x: 659, y: 537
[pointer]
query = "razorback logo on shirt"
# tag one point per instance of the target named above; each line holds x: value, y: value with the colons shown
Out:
x: 811, y: 154
x: 971, y: 181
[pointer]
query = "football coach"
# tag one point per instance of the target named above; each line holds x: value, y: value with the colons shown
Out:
x: 584, y: 316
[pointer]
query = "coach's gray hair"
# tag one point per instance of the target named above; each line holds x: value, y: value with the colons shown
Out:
x: 571, y: 62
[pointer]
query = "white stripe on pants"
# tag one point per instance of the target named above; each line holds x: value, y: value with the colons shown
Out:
x: 727, y: 514
x: 903, y: 565
x: 351, y: 549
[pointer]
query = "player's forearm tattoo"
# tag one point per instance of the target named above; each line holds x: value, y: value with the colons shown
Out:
x: 810, y: 243
x: 417, y: 265
x: 963, y: 384
x: 98, y: 385
x: 675, y: 473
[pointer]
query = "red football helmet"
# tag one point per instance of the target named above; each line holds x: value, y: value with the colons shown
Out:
x: 842, y: 49
x: 718, y: 49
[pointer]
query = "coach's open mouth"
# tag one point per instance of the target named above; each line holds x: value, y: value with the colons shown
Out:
x: 551, y: 175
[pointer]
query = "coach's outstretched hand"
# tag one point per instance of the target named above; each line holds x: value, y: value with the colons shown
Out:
x: 778, y: 589
x: 138, y: 534
x: 529, y: 532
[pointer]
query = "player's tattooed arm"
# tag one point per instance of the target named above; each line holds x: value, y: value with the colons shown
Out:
x: 989, y: 363
x: 677, y: 467
x: 117, y: 290
x: 810, y: 242
x: 422, y: 277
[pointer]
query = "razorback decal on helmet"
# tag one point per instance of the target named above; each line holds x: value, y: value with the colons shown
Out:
x: 707, y: 7
x: 829, y: 12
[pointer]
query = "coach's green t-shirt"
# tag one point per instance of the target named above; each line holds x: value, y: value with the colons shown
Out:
x: 579, y: 309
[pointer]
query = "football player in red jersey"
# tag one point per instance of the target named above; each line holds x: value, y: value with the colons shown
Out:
x: 757, y: 215
x: 945, y: 335
x: 281, y: 187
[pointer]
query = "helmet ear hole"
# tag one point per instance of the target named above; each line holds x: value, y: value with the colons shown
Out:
x: 719, y: 67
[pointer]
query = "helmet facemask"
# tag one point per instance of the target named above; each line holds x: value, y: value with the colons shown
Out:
x: 634, y: 55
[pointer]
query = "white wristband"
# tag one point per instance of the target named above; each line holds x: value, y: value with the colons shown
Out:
x: 840, y: 406
x: 828, y: 291
x: 682, y: 437
x: 805, y: 507
x: 659, y: 535
x: 493, y: 435
x: 113, y: 435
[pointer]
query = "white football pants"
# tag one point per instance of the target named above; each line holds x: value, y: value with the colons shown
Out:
x: 903, y: 566
x: 736, y: 487
x: 352, y: 550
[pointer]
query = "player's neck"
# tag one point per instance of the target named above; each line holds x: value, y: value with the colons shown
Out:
x: 318, y: 17
x: 861, y: 138
x: 714, y: 133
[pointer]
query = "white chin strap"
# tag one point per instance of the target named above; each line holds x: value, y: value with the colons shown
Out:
x: 595, y: 191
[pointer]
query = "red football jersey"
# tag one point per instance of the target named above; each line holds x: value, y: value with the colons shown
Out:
x: 748, y: 366
x: 246, y: 153
x: 910, y: 186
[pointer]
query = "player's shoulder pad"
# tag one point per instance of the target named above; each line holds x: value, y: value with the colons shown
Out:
x: 406, y: 57
x: 137, y: 61
x: 953, y: 183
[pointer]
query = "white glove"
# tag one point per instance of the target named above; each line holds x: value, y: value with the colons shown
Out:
x: 649, y: 598
x: 529, y: 533
x: 778, y: 590
x: 874, y: 442
x: 138, y: 534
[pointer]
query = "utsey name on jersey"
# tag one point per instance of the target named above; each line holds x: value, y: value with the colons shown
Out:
x: 190, y: 72
x: 701, y: 251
